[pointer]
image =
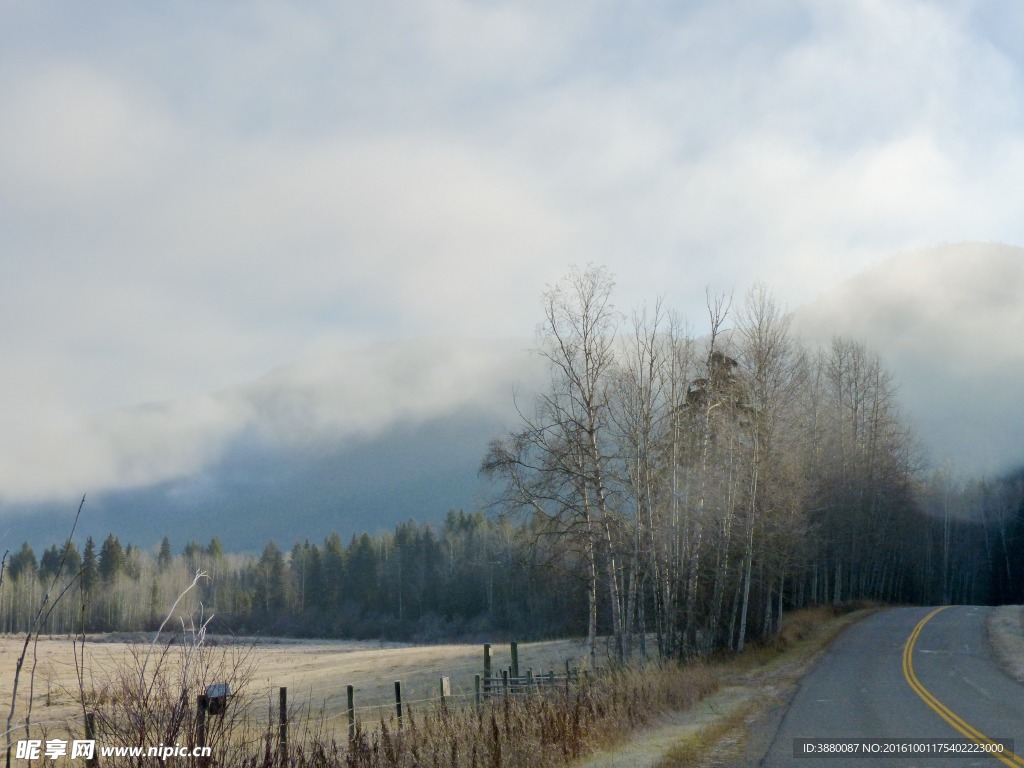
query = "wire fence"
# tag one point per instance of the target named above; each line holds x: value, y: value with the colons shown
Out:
x: 264, y: 715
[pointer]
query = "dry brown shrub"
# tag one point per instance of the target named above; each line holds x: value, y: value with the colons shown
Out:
x: 152, y: 698
x: 548, y: 727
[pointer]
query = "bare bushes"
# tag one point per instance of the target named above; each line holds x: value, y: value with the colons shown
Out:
x: 152, y: 697
x: 157, y: 695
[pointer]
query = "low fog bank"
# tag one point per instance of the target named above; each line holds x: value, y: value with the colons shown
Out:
x: 351, y: 439
x: 948, y: 323
x: 347, y: 441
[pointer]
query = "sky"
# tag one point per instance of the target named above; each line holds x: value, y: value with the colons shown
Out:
x: 194, y: 193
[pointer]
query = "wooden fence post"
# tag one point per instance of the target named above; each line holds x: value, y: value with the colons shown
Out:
x: 476, y: 685
x: 446, y: 691
x: 350, y: 692
x: 487, y: 670
x: 201, y: 720
x: 90, y: 735
x: 504, y: 682
x: 282, y: 733
x: 398, y: 701
x: 515, y: 664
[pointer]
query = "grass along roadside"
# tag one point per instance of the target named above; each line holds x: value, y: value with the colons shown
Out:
x: 1006, y: 636
x: 713, y: 732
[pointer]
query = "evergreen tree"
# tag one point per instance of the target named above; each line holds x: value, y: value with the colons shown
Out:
x: 90, y: 569
x: 429, y: 571
x: 297, y: 576
x: 164, y: 558
x: 361, y: 568
x: 316, y: 594
x: 271, y: 592
x: 73, y: 561
x: 112, y: 558
x: 334, y: 574
x: 49, y: 563
x: 214, y: 550
x: 23, y: 563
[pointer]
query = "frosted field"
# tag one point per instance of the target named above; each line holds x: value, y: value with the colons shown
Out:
x: 316, y: 673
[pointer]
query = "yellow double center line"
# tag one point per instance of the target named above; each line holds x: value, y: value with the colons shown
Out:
x: 1006, y: 757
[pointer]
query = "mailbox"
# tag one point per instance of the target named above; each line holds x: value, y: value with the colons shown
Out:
x: 217, y: 698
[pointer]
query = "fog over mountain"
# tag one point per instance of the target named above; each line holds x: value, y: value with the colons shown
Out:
x: 347, y: 440
x: 949, y: 324
x: 358, y: 439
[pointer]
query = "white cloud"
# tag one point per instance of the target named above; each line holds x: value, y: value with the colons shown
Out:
x: 336, y: 392
x: 195, y: 193
x: 72, y: 134
x: 346, y: 392
x: 64, y: 456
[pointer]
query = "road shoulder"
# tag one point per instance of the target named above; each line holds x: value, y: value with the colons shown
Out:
x: 735, y: 725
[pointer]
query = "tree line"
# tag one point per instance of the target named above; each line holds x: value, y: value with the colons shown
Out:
x: 472, y: 575
x: 705, y: 483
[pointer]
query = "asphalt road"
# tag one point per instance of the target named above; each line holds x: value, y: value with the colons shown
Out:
x: 904, y: 673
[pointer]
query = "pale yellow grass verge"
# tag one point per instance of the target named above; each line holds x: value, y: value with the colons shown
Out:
x: 1006, y: 636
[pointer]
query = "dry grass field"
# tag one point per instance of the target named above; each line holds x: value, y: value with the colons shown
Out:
x: 316, y: 673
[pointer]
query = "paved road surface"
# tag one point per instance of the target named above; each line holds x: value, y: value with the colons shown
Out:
x: 907, y: 673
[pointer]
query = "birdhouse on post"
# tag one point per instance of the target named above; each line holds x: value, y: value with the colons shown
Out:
x: 217, y: 698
